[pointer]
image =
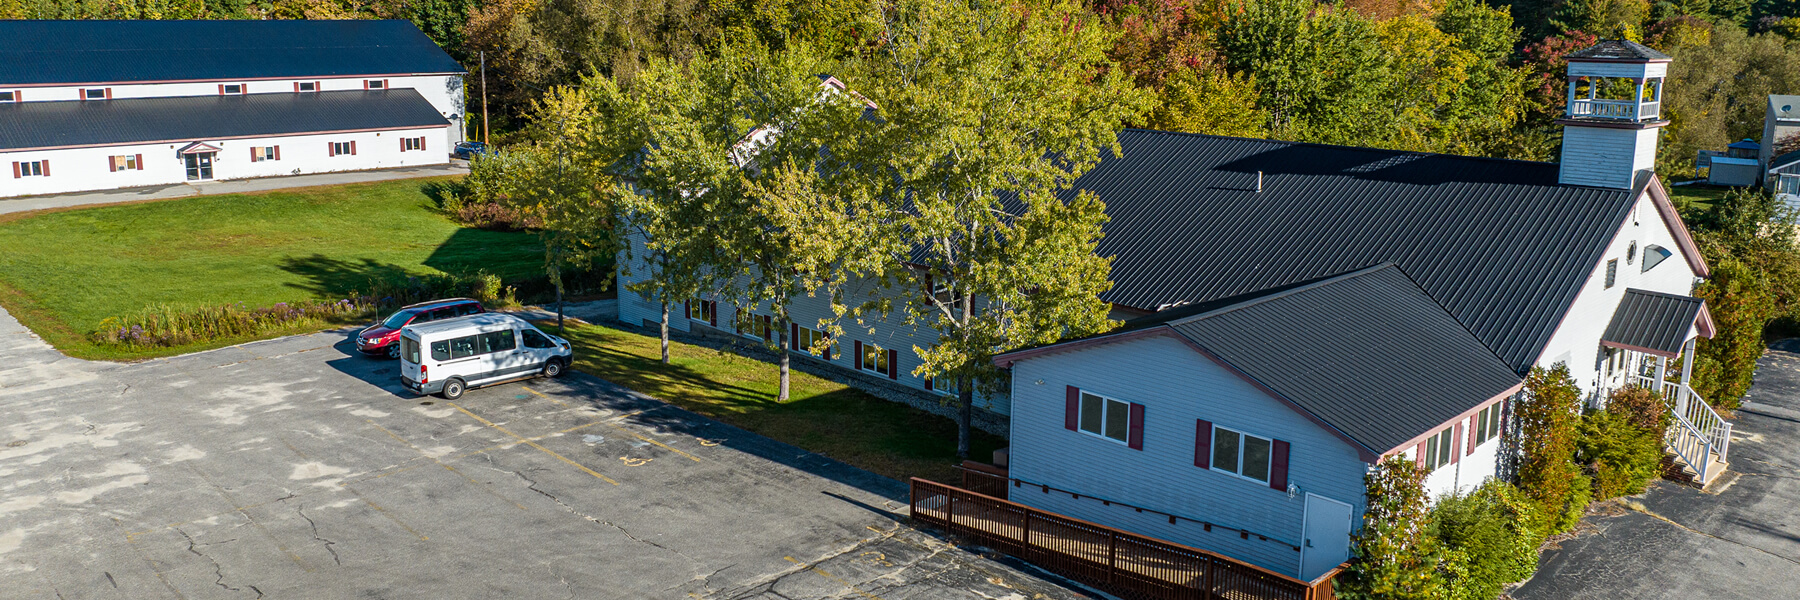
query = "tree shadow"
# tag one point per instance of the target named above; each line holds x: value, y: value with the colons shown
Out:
x: 330, y: 277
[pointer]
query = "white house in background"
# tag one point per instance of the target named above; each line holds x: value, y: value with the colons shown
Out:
x: 1781, y: 147
x: 90, y: 105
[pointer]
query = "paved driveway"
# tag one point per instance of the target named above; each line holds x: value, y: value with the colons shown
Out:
x: 292, y: 469
x: 1743, y: 542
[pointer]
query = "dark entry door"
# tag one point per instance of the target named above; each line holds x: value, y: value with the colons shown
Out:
x: 200, y: 165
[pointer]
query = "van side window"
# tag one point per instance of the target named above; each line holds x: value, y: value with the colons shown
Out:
x: 533, y: 339
x: 463, y: 347
x: 440, y: 350
x: 498, y: 341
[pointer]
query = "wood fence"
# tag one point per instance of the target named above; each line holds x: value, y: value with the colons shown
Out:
x: 1121, y: 563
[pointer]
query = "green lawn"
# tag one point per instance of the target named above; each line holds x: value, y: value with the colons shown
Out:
x: 62, y: 272
x: 822, y: 416
x: 1699, y: 195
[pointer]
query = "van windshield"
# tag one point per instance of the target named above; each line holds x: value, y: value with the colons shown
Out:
x: 398, y: 320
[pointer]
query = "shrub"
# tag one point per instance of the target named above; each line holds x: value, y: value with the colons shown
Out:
x: 164, y: 326
x: 1395, y: 558
x: 1492, y: 534
x: 1621, y: 456
x: 1646, y: 409
x: 1547, y: 431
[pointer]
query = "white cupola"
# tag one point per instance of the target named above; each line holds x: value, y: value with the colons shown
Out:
x: 1615, y: 112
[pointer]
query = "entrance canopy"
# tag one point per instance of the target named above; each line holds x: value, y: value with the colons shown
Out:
x: 1657, y: 323
x: 198, y: 148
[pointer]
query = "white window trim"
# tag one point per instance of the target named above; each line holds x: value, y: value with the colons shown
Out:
x: 1213, y: 465
x: 1103, y: 406
x: 1433, y: 443
x: 305, y: 84
x: 13, y: 96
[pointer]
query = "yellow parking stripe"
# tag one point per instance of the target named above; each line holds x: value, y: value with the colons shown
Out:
x: 534, y: 444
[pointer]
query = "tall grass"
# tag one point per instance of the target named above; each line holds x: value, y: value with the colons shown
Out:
x: 165, y: 326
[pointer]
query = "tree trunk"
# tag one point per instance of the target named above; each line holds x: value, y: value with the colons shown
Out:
x: 665, y: 332
x: 786, y: 358
x: 965, y: 413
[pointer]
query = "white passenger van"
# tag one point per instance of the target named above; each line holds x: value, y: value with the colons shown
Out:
x: 450, y: 356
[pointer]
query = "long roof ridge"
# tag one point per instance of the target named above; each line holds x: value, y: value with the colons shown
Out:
x: 1348, y: 275
x: 1345, y: 147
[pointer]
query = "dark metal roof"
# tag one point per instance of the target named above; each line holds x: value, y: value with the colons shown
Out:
x: 82, y: 52
x: 1498, y: 244
x: 1652, y: 321
x: 1618, y: 50
x: 1366, y: 352
x: 109, y: 122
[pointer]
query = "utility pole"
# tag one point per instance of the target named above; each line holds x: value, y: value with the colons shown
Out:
x: 484, y: 118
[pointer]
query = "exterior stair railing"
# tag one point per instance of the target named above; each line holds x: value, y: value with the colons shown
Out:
x: 1698, y: 433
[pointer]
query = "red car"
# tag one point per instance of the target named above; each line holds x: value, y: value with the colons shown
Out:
x: 383, y: 339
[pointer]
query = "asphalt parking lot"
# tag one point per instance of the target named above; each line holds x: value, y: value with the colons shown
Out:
x: 293, y: 469
x: 1742, y: 541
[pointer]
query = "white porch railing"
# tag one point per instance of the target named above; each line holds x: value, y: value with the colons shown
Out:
x: 1698, y: 433
x: 1613, y: 109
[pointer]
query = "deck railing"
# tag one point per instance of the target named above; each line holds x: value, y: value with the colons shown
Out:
x: 1121, y: 563
x: 1615, y: 109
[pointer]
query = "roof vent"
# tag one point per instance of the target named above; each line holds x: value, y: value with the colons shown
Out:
x: 1259, y: 182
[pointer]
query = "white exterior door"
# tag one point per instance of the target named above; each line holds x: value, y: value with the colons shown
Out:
x: 1326, y: 542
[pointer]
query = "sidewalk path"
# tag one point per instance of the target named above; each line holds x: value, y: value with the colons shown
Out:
x: 235, y: 186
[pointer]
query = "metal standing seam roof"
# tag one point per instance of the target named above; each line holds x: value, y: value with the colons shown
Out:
x: 1497, y: 243
x: 34, y: 52
x: 1366, y: 352
x: 1618, y: 50
x: 1653, y: 322
x: 30, y: 125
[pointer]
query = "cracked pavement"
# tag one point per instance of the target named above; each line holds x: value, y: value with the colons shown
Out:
x: 1678, y: 542
x: 293, y: 468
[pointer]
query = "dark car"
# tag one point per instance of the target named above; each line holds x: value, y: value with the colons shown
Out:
x: 383, y: 338
x: 469, y: 150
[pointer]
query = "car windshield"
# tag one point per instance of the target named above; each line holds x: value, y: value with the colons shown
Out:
x: 398, y: 320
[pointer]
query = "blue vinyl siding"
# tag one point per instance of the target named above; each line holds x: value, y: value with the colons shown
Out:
x: 1177, y: 386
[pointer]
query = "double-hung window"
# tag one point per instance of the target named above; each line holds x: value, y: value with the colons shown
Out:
x: 262, y: 153
x: 35, y: 168
x: 1487, y: 424
x: 128, y: 162
x: 343, y: 148
x: 945, y: 384
x: 1241, y: 454
x: 1439, y: 449
x: 413, y: 143
x: 1106, y: 417
x: 703, y: 310
x: 812, y: 341
x: 9, y: 96
x: 874, y: 359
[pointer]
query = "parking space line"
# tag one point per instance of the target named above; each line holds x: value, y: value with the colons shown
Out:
x: 840, y: 580
x: 471, y: 480
x: 541, y: 395
x: 533, y: 444
x: 486, y: 450
x: 259, y: 526
x: 664, y: 446
x: 154, y: 568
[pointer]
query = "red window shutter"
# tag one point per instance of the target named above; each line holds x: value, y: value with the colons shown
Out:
x: 794, y: 335
x: 1419, y: 454
x: 1472, y: 429
x: 277, y: 153
x: 46, y: 167
x: 1134, y: 436
x: 296, y: 87
x: 421, y: 143
x: 1278, y: 466
x: 1072, y: 411
x: 828, y: 344
x: 1454, y: 438
x: 254, y: 155
x: 1203, y: 443
x: 331, y: 148
x: 140, y: 162
x: 108, y: 93
x: 687, y: 309
x: 857, y: 359
x: 402, y: 144
x: 930, y: 384
x: 16, y: 170
x: 893, y: 364
x: 384, y: 84
x: 353, y: 153
x: 221, y: 89
x: 365, y: 84
x: 112, y: 164
x: 712, y: 319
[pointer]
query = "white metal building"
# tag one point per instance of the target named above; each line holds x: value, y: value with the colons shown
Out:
x: 92, y: 105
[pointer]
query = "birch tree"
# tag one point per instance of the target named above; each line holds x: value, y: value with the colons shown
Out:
x: 989, y: 112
